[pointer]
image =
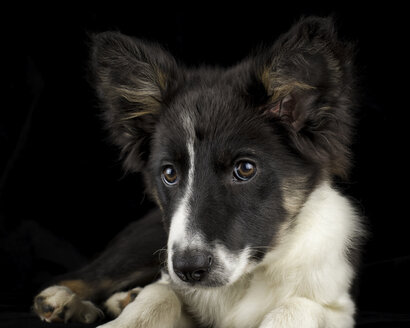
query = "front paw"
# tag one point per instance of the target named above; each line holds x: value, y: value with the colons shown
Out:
x: 118, y: 301
x: 157, y: 306
x: 60, y: 304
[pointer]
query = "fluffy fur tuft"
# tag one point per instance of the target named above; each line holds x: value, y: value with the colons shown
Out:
x: 133, y: 79
x: 310, y: 71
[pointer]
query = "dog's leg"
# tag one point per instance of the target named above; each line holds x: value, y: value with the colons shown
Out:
x: 132, y: 259
x: 302, y: 312
x: 157, y: 305
x: 294, y: 313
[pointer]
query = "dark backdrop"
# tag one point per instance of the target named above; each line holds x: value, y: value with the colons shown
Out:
x: 63, y: 195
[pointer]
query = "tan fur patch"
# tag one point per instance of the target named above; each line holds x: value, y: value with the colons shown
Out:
x: 47, y: 315
x: 83, y: 289
x: 146, y: 95
x: 161, y: 78
x: 124, y: 302
x: 279, y: 86
x: 138, y: 114
x: 79, y: 287
x: 156, y: 199
x: 294, y: 194
x: 128, y: 299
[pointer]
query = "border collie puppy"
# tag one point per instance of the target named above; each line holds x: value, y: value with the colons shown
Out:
x: 241, y: 163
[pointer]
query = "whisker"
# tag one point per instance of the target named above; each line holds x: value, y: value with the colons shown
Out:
x: 162, y: 256
x: 160, y: 250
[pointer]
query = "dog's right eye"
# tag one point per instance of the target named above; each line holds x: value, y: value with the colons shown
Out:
x: 169, y: 175
x: 244, y: 171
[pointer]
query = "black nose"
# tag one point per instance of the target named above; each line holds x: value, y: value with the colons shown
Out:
x: 192, y: 266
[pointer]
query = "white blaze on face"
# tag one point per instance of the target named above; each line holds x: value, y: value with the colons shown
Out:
x: 178, y: 233
x: 232, y: 265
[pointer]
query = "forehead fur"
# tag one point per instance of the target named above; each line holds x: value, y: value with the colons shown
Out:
x: 303, y: 86
x: 212, y: 100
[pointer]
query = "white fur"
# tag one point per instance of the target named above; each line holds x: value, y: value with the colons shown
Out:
x: 156, y: 306
x: 114, y: 305
x: 178, y: 229
x: 179, y: 234
x: 302, y: 282
x: 308, y: 267
x: 234, y: 265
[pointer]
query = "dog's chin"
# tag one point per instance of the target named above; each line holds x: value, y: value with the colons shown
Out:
x: 212, y: 281
x: 199, y: 285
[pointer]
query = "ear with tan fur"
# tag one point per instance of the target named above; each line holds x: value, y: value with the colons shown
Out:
x: 132, y: 79
x: 308, y: 77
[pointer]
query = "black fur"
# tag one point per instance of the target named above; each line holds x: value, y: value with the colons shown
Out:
x: 287, y: 108
x: 319, y: 118
x: 125, y: 261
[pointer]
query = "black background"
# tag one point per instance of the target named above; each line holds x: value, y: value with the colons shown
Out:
x: 63, y: 194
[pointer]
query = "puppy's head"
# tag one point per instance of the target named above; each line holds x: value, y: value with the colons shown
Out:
x: 229, y: 155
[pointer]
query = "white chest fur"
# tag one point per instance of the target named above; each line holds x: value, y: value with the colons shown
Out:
x: 309, y: 262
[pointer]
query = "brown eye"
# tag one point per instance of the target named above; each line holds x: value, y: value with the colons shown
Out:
x: 244, y: 170
x: 169, y: 175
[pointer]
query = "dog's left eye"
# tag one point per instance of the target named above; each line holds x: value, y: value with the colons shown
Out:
x: 244, y: 170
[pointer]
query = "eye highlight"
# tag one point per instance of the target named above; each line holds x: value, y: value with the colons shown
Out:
x: 244, y: 170
x: 169, y: 175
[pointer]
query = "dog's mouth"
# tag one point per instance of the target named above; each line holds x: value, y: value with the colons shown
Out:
x: 214, y: 267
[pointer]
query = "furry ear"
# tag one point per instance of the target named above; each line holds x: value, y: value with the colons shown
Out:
x: 308, y: 78
x: 133, y: 79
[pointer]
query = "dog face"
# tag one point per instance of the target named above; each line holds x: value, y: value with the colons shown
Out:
x: 218, y: 170
x: 230, y: 156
